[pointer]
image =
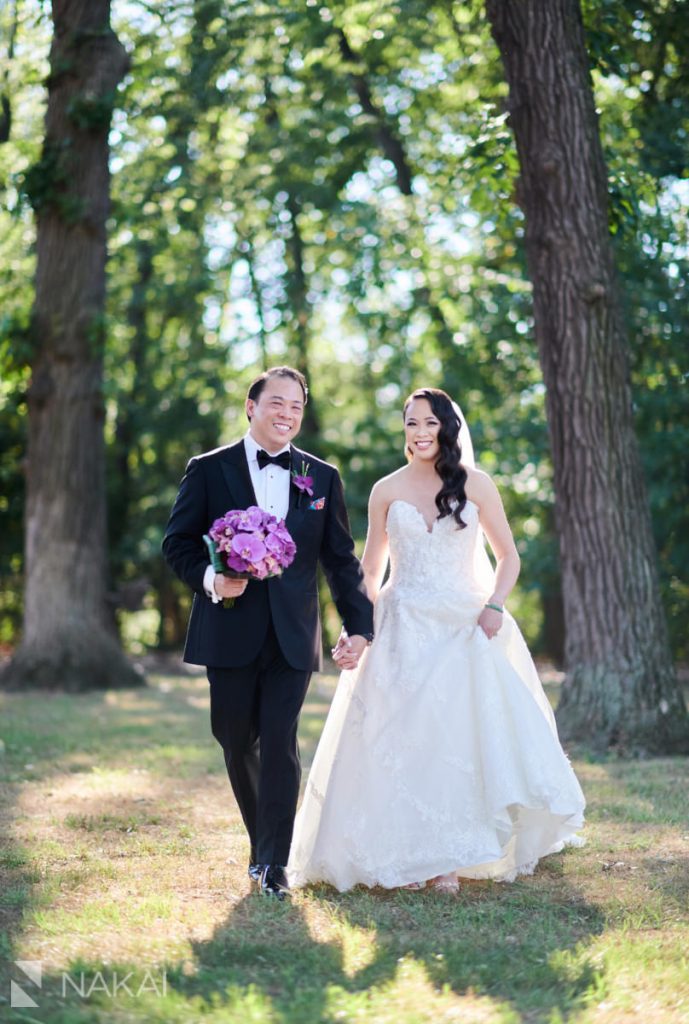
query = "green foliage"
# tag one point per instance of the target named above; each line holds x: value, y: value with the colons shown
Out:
x: 23, y: 95
x: 45, y: 183
x: 333, y: 185
x: 92, y: 113
x: 639, y: 46
x: 12, y: 441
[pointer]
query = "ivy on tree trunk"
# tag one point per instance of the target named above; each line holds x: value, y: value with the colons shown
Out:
x: 620, y: 689
x: 69, y: 640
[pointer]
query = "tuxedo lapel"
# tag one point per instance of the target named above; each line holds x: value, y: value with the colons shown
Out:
x: 235, y: 469
x: 294, y: 492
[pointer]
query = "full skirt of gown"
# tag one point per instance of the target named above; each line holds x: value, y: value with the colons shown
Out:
x: 440, y: 752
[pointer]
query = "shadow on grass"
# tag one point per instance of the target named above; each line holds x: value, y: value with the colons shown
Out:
x: 512, y: 945
x: 519, y: 949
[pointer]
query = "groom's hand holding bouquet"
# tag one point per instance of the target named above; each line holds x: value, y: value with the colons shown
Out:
x: 247, y: 544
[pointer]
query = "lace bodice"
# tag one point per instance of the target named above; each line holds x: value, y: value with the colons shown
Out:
x: 441, y: 560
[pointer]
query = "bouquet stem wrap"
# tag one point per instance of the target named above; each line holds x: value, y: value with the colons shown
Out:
x: 217, y: 563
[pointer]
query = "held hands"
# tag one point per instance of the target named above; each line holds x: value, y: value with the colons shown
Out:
x: 226, y: 586
x: 348, y: 650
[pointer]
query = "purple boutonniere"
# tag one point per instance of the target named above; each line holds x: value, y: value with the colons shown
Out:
x: 303, y: 482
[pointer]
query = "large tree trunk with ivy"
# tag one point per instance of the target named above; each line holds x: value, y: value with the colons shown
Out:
x: 620, y: 688
x: 68, y: 639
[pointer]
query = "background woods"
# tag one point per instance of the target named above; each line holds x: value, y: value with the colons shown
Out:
x: 337, y: 185
x: 68, y: 635
x: 620, y: 682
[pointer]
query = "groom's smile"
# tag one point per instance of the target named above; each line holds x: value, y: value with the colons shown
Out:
x: 276, y: 414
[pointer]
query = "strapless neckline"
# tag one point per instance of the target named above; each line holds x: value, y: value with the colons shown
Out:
x: 410, y: 504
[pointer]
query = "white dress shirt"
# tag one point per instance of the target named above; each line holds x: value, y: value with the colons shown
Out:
x: 271, y: 487
x: 271, y: 484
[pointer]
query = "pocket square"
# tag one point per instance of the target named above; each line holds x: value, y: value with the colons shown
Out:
x: 317, y: 505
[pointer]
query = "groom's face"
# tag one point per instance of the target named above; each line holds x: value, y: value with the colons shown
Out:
x: 277, y: 413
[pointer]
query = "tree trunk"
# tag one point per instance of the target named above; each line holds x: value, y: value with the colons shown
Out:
x: 68, y: 641
x: 127, y: 429
x: 174, y: 616
x: 387, y: 139
x: 620, y: 688
x: 552, y: 636
x: 247, y: 251
x: 297, y: 290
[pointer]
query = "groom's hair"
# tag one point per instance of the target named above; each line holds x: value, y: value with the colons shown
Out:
x: 257, y: 385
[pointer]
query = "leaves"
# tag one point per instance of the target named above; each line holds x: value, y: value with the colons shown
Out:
x: 259, y: 214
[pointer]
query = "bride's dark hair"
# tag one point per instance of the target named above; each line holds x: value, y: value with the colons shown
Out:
x: 448, y: 464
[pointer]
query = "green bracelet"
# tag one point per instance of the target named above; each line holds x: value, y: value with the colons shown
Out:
x: 495, y: 607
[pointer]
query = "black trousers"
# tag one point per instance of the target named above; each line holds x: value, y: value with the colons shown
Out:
x: 254, y: 717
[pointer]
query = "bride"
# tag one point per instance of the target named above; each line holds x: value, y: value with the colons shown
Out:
x: 439, y: 759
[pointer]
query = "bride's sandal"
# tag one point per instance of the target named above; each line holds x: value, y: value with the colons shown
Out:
x: 446, y: 883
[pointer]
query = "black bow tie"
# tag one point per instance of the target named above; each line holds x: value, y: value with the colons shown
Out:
x: 264, y: 459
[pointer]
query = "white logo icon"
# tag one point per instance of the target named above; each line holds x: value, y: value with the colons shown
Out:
x: 33, y: 970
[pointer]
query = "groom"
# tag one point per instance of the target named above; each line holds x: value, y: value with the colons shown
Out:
x: 260, y: 653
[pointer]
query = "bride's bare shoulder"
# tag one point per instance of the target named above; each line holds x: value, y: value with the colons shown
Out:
x: 385, y: 490
x: 478, y: 486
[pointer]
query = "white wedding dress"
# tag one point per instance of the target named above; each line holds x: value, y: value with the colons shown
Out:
x: 440, y: 751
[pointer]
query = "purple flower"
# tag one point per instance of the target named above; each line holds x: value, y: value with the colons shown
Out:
x: 249, y: 546
x: 218, y: 529
x: 301, y: 481
x: 304, y: 483
x: 236, y: 562
x: 274, y: 543
x: 250, y: 518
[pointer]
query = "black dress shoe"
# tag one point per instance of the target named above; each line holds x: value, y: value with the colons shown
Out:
x: 255, y: 871
x: 274, y: 882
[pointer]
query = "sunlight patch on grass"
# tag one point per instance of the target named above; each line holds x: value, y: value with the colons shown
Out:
x: 89, y: 920
x: 358, y: 945
x: 645, y: 976
x: 410, y: 996
x: 645, y: 792
x: 98, y: 915
x: 232, y: 1005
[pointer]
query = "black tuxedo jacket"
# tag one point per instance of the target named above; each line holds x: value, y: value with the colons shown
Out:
x: 218, y: 481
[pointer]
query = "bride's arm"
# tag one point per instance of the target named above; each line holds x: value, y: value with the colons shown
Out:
x: 373, y: 561
x: 496, y: 528
x: 375, y: 557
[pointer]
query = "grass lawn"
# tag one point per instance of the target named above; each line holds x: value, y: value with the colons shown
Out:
x: 123, y: 873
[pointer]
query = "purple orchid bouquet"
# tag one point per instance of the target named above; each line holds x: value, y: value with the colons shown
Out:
x: 249, y: 543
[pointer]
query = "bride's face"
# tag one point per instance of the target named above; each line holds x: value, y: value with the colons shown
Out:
x: 421, y: 428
